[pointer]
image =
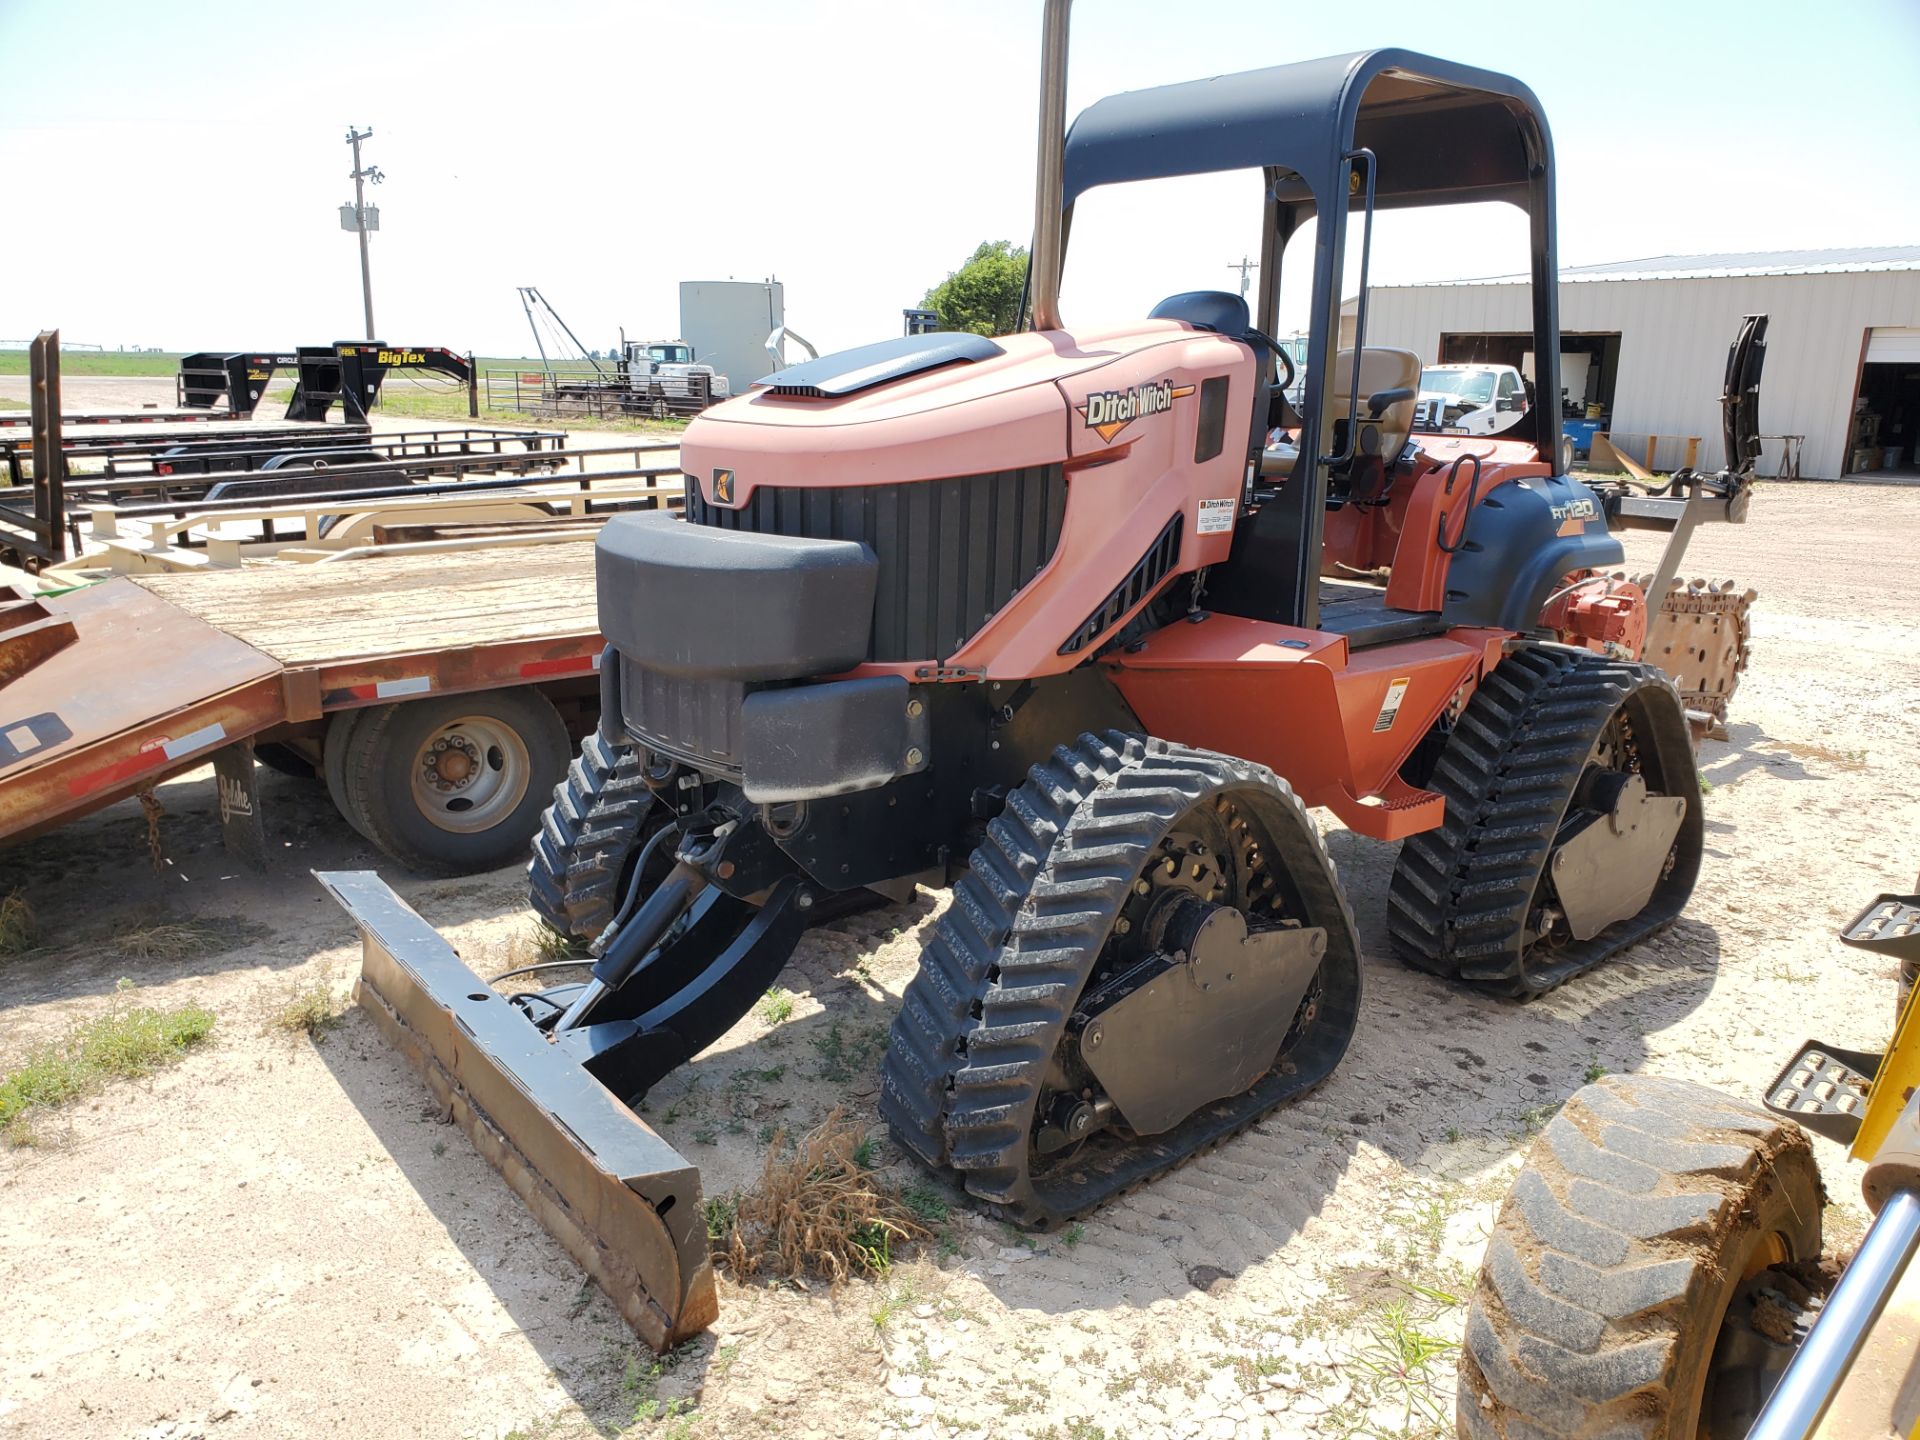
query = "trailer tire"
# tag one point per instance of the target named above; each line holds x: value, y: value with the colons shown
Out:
x: 333, y: 761
x: 1644, y: 1270
x: 455, y: 784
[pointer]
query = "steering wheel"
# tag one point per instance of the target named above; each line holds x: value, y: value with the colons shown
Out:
x: 1279, y: 353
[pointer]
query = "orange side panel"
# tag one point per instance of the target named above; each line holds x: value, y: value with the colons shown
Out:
x: 1419, y: 579
x: 1334, y: 725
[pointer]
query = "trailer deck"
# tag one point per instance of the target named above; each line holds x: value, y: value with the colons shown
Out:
x: 378, y: 607
x: 250, y: 650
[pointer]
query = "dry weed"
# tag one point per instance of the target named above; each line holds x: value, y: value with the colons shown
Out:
x: 19, y: 926
x: 816, y: 1210
x: 189, y: 939
x: 310, y: 1009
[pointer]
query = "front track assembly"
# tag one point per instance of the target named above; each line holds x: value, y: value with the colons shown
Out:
x: 1149, y: 952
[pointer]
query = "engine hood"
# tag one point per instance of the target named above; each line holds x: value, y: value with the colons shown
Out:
x: 1003, y: 411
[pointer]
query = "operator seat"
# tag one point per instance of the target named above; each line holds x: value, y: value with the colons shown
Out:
x: 1384, y: 435
x: 1381, y: 369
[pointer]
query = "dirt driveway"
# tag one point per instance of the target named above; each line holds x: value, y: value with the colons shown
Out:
x: 277, y: 1237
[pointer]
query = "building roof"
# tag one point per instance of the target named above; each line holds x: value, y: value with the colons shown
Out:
x: 1723, y: 265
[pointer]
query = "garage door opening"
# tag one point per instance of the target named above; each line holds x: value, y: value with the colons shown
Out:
x: 1589, y: 369
x: 1885, y: 422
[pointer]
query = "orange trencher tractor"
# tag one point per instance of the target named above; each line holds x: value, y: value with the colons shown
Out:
x: 1046, y: 619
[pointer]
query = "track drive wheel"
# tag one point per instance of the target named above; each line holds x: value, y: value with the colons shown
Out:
x: 1651, y: 1272
x: 1562, y: 775
x: 600, y: 816
x: 1150, y: 951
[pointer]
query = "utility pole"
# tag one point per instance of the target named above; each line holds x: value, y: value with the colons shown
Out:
x: 1245, y: 267
x: 362, y: 222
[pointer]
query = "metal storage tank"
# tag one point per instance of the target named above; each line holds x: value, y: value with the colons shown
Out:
x: 728, y: 321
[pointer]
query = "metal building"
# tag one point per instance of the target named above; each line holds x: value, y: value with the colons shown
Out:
x: 1645, y: 346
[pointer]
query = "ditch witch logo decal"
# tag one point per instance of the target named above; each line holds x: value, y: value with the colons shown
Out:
x: 1108, y: 412
x: 723, y: 487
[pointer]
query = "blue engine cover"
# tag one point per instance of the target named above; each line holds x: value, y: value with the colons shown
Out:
x: 1521, y: 540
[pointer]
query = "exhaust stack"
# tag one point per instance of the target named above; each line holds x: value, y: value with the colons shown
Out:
x: 1049, y: 229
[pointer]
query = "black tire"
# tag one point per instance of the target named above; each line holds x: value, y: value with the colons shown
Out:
x: 588, y: 836
x: 285, y: 760
x: 983, y: 1018
x: 333, y: 762
x: 1465, y: 894
x: 378, y: 779
x: 1644, y: 1208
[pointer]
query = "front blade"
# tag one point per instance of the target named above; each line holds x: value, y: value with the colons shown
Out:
x: 623, y: 1202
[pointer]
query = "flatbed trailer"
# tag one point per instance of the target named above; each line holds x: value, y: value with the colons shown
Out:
x: 356, y: 670
x: 125, y: 417
x: 255, y: 446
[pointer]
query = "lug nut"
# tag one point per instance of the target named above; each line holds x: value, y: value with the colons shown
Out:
x: 915, y: 709
x: 914, y: 757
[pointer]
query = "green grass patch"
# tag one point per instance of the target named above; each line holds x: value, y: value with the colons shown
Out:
x: 927, y: 1201
x: 776, y: 1006
x: 100, y: 362
x: 129, y: 1042
x: 7, y: 402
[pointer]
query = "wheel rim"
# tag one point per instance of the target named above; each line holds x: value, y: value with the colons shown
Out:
x: 1749, y: 1355
x: 470, y: 774
x: 1615, y: 750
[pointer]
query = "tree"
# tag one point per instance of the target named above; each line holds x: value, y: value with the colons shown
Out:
x: 983, y: 295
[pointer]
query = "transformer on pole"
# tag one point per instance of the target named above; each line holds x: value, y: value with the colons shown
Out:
x: 361, y: 217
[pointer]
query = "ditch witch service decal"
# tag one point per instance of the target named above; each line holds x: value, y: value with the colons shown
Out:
x: 1108, y: 412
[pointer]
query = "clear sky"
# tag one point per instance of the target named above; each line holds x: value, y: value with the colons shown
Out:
x: 174, y: 172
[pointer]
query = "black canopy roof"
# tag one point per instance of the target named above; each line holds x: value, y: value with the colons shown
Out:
x: 1441, y: 132
x: 1437, y: 132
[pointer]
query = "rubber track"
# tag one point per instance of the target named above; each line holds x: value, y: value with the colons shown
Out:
x: 1600, y: 1291
x: 1012, y: 953
x: 1461, y: 892
x: 585, y: 837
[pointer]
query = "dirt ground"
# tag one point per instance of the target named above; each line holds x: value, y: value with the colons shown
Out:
x: 277, y: 1237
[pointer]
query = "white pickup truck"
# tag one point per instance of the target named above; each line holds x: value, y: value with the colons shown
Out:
x: 1473, y: 399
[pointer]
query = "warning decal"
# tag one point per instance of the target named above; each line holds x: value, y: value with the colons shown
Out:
x: 1216, y: 516
x: 1390, y: 707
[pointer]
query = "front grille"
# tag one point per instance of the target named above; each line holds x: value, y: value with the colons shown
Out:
x: 952, y: 552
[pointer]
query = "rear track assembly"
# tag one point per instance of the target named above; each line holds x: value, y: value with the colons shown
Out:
x: 1467, y: 899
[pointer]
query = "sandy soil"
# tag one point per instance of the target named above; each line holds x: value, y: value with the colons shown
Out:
x: 279, y: 1238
